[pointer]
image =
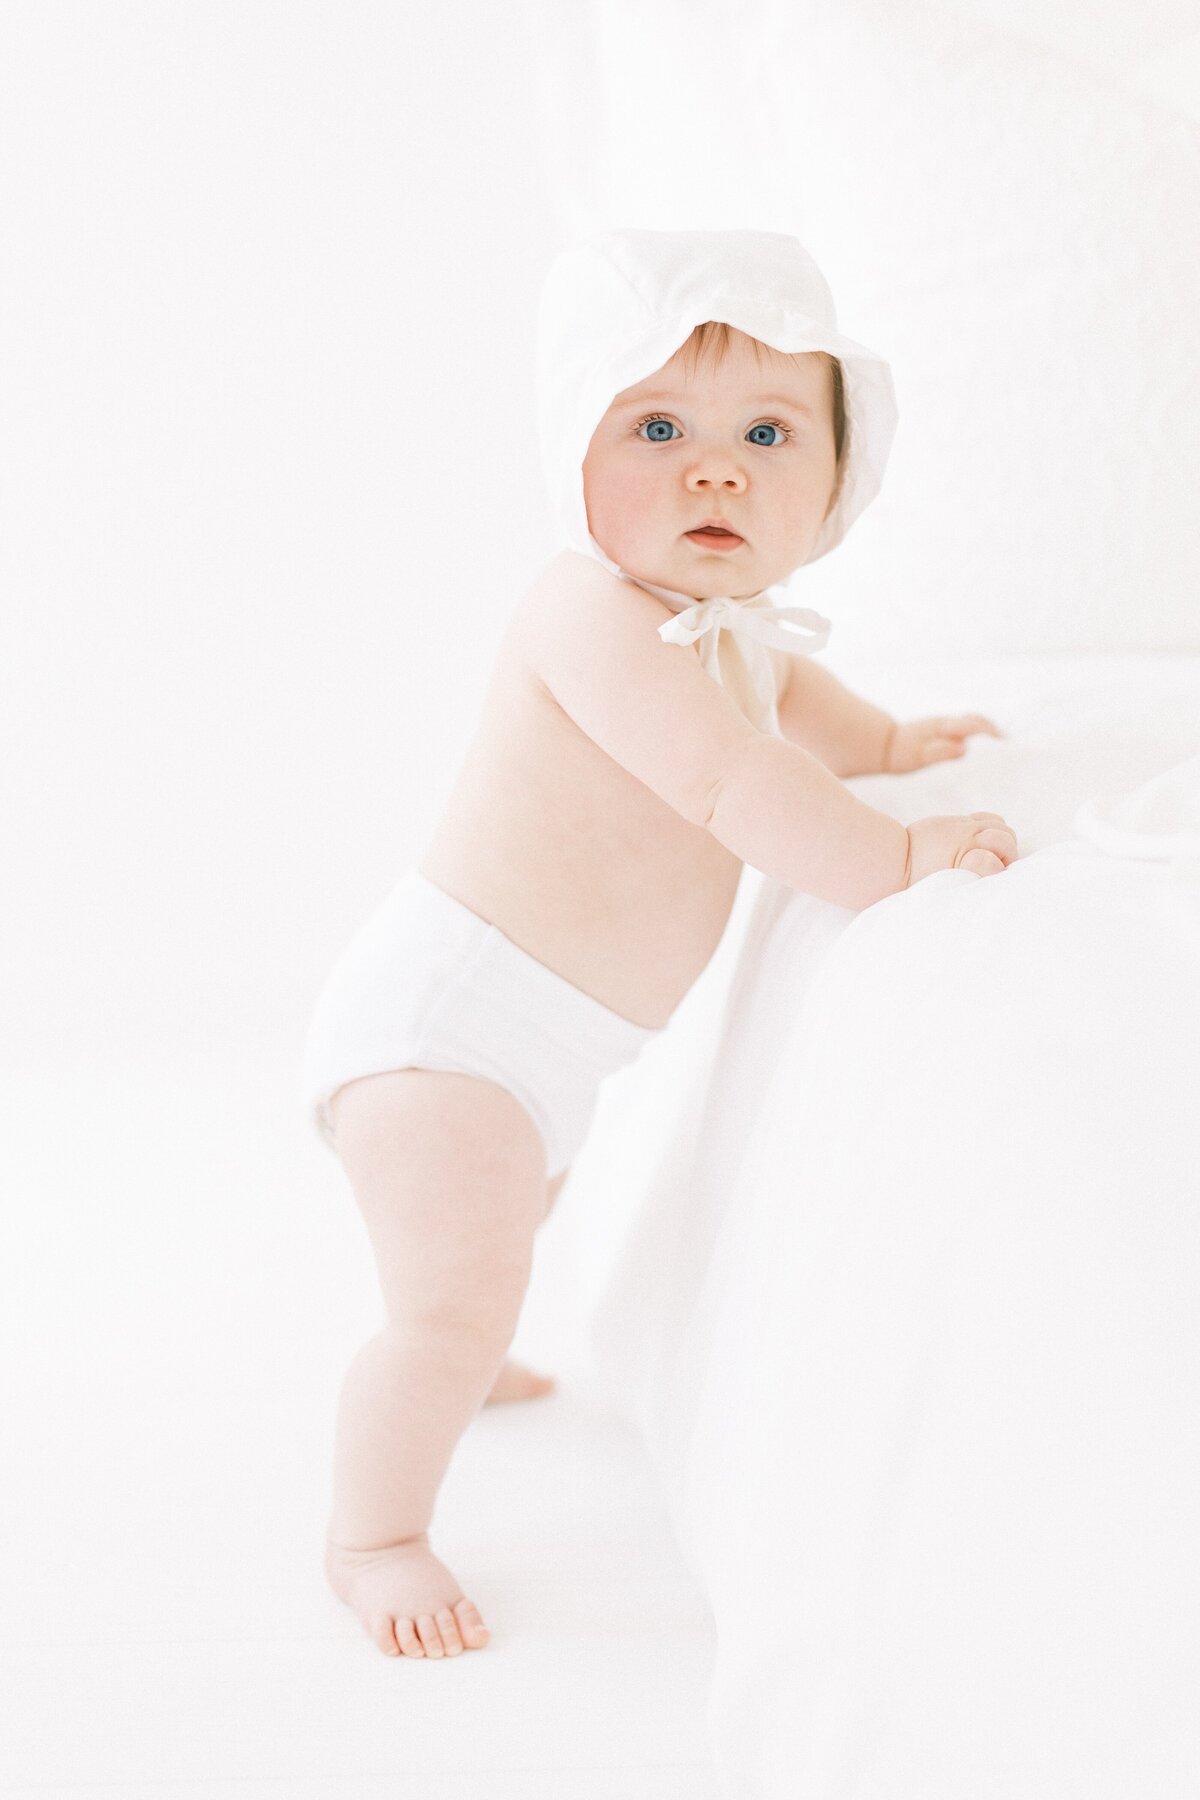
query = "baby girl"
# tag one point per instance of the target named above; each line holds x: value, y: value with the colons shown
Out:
x: 654, y: 721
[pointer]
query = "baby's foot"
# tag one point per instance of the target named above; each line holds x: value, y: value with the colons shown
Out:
x: 409, y: 1602
x: 515, y: 1382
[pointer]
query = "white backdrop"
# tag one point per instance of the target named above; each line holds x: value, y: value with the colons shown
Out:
x: 267, y: 459
x: 269, y: 482
x: 1005, y: 205
x: 269, y: 488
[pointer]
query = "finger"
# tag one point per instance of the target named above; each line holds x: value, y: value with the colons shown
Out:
x: 969, y: 722
x: 938, y: 749
x: 980, y: 862
x: 960, y: 731
x: 1000, y: 840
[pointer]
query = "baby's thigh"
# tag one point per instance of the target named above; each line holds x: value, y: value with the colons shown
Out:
x: 449, y: 1171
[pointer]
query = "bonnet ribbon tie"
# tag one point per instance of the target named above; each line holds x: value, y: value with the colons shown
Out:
x: 742, y: 663
x: 796, y: 629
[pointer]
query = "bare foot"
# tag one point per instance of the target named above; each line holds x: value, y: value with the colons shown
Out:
x: 409, y: 1602
x: 515, y: 1382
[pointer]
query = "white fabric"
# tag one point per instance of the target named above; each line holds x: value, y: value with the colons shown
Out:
x: 613, y: 309
x: 760, y: 621
x: 1019, y: 231
x: 425, y: 983
x: 1014, y: 225
x: 1159, y: 820
x: 909, y: 1317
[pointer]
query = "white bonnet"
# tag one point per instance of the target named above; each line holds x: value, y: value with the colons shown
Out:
x: 617, y: 305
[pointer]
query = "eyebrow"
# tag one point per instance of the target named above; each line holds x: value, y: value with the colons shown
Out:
x: 758, y: 400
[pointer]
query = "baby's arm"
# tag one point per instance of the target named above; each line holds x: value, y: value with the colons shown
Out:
x: 847, y: 733
x: 852, y: 737
x: 593, y: 640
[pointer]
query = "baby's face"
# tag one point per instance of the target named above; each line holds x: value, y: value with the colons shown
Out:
x: 749, y: 443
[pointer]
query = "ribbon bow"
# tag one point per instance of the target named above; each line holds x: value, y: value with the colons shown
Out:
x: 744, y: 666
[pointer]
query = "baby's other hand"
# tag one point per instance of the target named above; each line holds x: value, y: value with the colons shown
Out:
x: 981, y: 842
x: 923, y: 741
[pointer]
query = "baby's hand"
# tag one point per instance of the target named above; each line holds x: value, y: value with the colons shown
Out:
x: 980, y: 841
x: 923, y: 741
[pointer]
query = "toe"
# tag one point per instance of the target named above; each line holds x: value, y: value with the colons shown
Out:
x: 406, y: 1637
x: 474, y: 1632
x: 447, y: 1624
x: 430, y: 1636
x: 381, y: 1631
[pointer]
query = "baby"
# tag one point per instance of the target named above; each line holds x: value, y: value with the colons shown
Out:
x: 654, y: 721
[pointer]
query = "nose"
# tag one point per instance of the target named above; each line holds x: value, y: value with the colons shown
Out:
x: 716, y: 470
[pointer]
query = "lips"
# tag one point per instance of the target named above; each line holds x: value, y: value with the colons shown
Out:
x: 715, y: 537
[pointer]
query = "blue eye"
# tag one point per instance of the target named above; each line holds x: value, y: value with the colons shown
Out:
x: 783, y: 433
x: 655, y: 419
x: 769, y: 425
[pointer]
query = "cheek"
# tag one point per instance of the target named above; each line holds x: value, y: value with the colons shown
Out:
x: 641, y: 499
x: 625, y: 498
x: 807, y: 496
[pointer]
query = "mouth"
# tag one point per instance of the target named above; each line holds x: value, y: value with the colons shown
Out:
x: 714, y: 536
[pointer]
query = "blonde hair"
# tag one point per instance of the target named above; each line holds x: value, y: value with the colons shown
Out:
x: 712, y: 340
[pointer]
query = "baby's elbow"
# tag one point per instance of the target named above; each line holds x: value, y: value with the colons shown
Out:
x: 697, y: 802
x: 702, y: 810
x: 722, y: 782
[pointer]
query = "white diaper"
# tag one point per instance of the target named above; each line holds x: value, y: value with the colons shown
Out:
x: 428, y: 984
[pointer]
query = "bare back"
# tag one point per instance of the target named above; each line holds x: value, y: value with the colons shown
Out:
x: 570, y: 855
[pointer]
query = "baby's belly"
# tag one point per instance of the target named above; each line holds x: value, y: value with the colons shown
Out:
x: 575, y: 860
x: 633, y: 929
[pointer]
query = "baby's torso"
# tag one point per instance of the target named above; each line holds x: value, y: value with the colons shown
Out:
x: 573, y: 858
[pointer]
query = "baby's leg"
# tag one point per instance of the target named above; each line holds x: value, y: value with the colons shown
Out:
x: 449, y: 1172
x: 515, y: 1381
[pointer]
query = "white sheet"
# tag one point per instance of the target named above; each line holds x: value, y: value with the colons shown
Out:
x: 910, y: 1316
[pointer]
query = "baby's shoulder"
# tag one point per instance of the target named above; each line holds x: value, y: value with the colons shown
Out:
x: 571, y: 574
x: 574, y: 599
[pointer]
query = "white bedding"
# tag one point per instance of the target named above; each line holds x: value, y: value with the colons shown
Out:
x: 909, y: 1316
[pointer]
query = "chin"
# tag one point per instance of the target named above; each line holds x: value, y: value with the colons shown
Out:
x: 736, y: 576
